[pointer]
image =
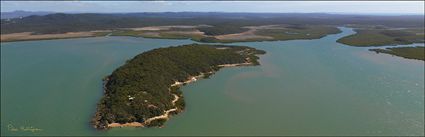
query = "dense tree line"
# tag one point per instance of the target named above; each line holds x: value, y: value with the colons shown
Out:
x: 405, y: 52
x: 383, y: 37
x: 140, y: 89
x: 225, y: 23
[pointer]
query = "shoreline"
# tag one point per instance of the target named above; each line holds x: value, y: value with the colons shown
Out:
x: 167, y: 114
x: 246, y: 36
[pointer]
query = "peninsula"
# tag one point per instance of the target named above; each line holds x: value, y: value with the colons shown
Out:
x: 375, y: 36
x: 405, y: 52
x: 144, y: 92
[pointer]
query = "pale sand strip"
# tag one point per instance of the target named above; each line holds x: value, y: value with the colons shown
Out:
x: 176, y: 98
x: 166, y: 115
x: 132, y: 124
x: 235, y: 65
x: 30, y: 36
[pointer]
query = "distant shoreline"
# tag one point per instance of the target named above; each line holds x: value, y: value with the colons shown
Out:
x: 252, y: 33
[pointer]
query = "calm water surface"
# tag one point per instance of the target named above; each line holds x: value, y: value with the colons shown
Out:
x: 303, y: 87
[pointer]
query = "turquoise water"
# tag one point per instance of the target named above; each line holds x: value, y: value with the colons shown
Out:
x: 303, y: 87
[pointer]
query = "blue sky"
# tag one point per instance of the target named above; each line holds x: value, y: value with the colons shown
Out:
x: 356, y: 7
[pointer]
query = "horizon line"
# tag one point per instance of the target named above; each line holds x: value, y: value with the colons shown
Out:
x: 340, y: 13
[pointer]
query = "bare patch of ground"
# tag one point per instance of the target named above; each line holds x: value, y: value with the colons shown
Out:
x: 151, y: 34
x: 250, y: 34
x: 158, y: 28
x: 30, y: 36
x: 194, y: 32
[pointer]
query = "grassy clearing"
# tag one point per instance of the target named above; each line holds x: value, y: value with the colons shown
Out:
x: 298, y: 32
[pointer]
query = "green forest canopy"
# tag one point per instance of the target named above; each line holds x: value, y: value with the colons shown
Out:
x: 148, y: 76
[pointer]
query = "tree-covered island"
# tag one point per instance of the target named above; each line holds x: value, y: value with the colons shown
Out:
x: 144, y: 92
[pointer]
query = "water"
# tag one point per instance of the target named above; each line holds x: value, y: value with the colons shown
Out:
x: 303, y: 87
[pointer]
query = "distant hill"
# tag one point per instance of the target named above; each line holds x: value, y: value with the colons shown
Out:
x: 60, y: 22
x: 20, y: 14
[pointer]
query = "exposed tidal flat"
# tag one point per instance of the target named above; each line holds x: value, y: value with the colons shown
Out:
x: 302, y: 87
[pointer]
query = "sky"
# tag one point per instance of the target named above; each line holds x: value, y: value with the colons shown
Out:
x: 351, y: 7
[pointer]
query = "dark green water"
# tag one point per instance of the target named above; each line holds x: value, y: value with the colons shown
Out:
x: 303, y: 87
